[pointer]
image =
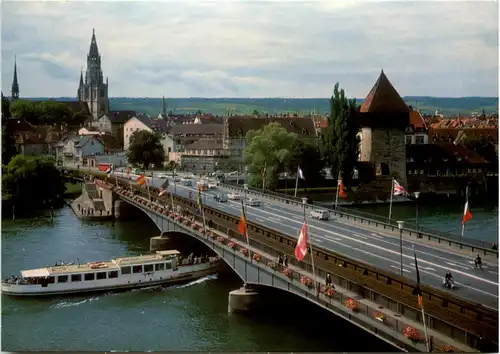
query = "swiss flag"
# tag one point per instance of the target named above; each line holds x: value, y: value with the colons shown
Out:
x: 301, y: 248
x: 467, y: 214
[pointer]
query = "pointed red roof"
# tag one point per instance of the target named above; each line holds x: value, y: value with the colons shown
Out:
x: 383, y: 98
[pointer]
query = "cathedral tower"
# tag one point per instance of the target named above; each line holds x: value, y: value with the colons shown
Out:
x: 93, y: 90
x: 15, y: 84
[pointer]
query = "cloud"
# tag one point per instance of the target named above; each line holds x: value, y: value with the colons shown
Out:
x: 254, y: 49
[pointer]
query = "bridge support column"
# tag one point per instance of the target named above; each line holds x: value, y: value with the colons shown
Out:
x: 242, y: 300
x: 158, y: 243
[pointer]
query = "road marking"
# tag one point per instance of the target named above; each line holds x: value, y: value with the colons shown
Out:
x: 399, y: 268
x: 382, y: 248
x: 492, y: 272
x: 457, y: 265
x: 260, y: 220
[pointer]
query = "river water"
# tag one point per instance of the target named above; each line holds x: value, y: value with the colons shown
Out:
x: 191, y: 317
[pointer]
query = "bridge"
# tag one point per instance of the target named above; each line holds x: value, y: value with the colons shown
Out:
x: 368, y: 291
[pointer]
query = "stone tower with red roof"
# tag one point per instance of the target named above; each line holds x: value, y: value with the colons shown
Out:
x: 384, y: 116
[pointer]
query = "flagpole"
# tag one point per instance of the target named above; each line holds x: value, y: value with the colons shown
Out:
x: 297, y: 181
x: 338, y: 190
x: 147, y: 186
x: 390, y: 205
x: 421, y: 304
x: 466, y: 200
x: 246, y: 230
x: 264, y: 176
x: 304, y: 201
x: 202, y: 214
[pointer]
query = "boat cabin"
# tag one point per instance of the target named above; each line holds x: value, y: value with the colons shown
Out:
x: 117, y: 267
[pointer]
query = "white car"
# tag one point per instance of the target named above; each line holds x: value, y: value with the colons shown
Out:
x: 234, y: 196
x: 212, y: 185
x: 253, y: 202
x: 162, y: 175
x: 320, y: 214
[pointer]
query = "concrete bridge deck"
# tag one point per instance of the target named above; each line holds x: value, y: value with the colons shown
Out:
x: 375, y: 246
x: 365, y: 311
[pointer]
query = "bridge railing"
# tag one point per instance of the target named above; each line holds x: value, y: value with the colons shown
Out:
x: 443, y: 237
x: 337, y: 298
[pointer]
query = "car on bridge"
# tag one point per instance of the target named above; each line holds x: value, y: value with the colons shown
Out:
x: 234, y: 196
x: 320, y: 214
x: 186, y: 181
x: 212, y: 185
x: 221, y: 198
x: 253, y: 202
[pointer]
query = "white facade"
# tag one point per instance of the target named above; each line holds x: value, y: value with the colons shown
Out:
x: 134, y: 124
x: 71, y: 150
x: 102, y: 124
x: 85, y: 131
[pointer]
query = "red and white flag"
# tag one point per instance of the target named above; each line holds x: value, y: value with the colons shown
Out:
x: 301, y: 248
x: 399, y: 189
x: 467, y: 214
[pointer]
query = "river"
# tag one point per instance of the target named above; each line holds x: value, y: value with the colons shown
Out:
x: 191, y: 317
x: 445, y: 217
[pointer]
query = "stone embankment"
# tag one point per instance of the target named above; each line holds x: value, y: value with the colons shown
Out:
x: 90, y: 204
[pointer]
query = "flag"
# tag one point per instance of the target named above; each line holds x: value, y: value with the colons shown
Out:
x: 300, y: 174
x: 399, y: 189
x: 163, y: 188
x: 342, y: 192
x: 109, y: 171
x: 467, y: 214
x: 141, y: 180
x: 301, y: 248
x: 417, y: 290
x: 128, y: 171
x: 242, y: 225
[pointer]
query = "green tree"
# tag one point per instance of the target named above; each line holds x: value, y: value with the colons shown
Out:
x: 145, y: 149
x: 310, y: 160
x: 52, y: 112
x: 341, y: 144
x: 8, y: 143
x: 32, y: 181
x: 27, y: 110
x: 268, y: 153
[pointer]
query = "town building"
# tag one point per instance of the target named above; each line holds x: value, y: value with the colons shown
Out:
x: 93, y: 91
x: 236, y: 128
x: 417, y: 131
x: 384, y: 117
x: 113, y: 123
x: 143, y: 122
x: 73, y: 150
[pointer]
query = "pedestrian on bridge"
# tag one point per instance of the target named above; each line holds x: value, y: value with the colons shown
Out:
x: 328, y: 279
x: 285, y: 260
x: 280, y: 260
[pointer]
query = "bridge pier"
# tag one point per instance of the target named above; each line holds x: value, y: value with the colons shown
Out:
x: 159, y: 243
x: 243, y: 299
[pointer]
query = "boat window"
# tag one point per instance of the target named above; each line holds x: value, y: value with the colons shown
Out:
x: 89, y: 276
x: 62, y: 279
x: 126, y: 270
x: 101, y: 275
x: 76, y: 277
x: 51, y: 280
x: 148, y: 268
x: 113, y: 274
x: 137, y: 269
x: 168, y: 265
x: 159, y: 266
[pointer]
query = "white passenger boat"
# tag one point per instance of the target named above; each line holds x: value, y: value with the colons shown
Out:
x: 162, y: 267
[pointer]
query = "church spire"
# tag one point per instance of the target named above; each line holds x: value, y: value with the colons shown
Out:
x: 93, y: 51
x: 15, y: 84
x: 164, y: 108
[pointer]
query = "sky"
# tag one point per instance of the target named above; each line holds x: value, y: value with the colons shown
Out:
x: 292, y: 49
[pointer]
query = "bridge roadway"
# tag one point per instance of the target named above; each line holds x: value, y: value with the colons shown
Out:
x: 376, y: 248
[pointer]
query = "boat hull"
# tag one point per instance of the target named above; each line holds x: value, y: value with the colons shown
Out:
x: 182, y: 275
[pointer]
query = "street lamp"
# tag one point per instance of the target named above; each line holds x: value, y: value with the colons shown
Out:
x: 246, y: 174
x: 286, y: 183
x: 245, y: 188
x: 173, y: 177
x: 400, y: 226
x: 417, y: 194
x: 304, y: 203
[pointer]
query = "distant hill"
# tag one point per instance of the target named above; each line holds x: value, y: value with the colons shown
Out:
x: 448, y: 106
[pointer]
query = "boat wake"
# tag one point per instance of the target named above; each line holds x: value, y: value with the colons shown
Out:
x: 77, y: 302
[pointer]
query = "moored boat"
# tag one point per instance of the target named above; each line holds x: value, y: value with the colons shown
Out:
x: 162, y: 267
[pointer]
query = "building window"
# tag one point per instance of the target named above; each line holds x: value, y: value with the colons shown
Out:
x: 419, y: 139
x: 408, y: 139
